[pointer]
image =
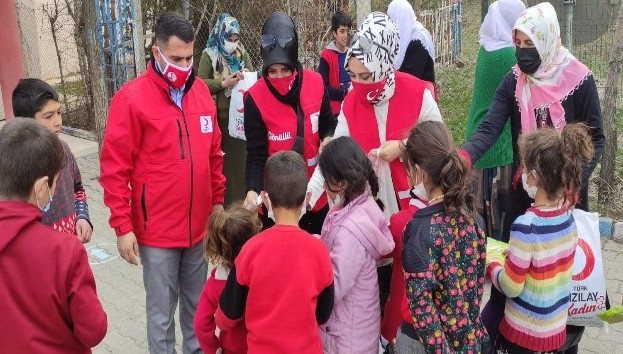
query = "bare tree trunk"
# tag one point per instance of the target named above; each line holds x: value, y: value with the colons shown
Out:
x: 53, y: 17
x: 94, y: 57
x: 75, y: 12
x: 186, y: 9
x: 606, y: 174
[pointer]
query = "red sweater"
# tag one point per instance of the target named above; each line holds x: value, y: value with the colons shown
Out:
x: 233, y: 341
x: 47, y: 291
x: 397, y: 302
x: 282, y: 283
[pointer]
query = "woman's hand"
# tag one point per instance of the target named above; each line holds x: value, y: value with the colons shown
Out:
x: 388, y: 151
x: 231, y: 80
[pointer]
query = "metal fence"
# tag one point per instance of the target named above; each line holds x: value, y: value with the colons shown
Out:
x: 312, y: 18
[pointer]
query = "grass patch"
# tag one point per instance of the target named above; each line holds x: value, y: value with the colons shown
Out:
x: 456, y: 82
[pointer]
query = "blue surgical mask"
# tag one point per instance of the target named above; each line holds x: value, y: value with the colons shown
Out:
x: 47, y: 206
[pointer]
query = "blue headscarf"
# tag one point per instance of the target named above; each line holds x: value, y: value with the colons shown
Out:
x: 225, y: 27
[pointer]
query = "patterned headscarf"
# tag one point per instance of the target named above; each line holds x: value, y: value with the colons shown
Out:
x: 225, y: 27
x: 558, y: 76
x: 402, y: 13
x: 376, y: 45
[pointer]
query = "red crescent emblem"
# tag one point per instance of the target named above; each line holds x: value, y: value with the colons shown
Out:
x: 590, y: 260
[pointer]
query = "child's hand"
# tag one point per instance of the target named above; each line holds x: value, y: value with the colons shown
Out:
x: 83, y: 230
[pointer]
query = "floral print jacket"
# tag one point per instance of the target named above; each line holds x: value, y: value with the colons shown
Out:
x: 444, y: 263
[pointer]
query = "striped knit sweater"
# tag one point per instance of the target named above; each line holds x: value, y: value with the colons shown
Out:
x: 537, y: 278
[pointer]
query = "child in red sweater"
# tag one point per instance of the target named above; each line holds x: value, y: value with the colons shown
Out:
x: 48, y: 296
x: 228, y: 231
x: 282, y: 280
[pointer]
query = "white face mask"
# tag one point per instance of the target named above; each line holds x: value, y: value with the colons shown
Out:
x: 531, y: 190
x: 337, y: 201
x: 271, y: 214
x: 230, y: 47
x: 419, y: 191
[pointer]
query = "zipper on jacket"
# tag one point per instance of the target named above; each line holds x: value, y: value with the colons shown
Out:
x: 190, y: 208
x: 144, y: 207
x: 179, y: 131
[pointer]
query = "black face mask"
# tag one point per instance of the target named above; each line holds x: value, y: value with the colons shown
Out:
x: 528, y: 60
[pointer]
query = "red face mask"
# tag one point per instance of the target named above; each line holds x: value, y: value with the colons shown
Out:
x: 370, y: 92
x: 283, y: 84
x: 174, y: 75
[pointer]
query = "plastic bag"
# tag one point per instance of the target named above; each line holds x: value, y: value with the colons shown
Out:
x: 386, y: 187
x: 496, y: 251
x: 236, y: 105
x: 587, y: 297
x: 614, y: 315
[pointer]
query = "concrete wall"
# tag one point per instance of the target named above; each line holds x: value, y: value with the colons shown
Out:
x: 38, y: 50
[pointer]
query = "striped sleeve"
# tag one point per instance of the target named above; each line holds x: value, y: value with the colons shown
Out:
x: 510, y: 279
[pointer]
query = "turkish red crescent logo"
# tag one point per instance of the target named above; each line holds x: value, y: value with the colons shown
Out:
x: 590, y: 261
x: 241, y: 110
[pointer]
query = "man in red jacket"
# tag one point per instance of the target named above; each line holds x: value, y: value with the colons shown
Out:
x: 47, y: 289
x: 161, y: 170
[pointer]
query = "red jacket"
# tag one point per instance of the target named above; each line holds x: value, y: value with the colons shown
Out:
x: 47, y: 290
x: 233, y: 341
x: 394, y: 312
x: 171, y: 159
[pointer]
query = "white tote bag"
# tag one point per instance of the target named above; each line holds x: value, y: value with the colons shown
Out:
x: 587, y: 297
x: 236, y: 105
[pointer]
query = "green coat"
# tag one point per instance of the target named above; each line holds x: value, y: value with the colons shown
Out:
x: 235, y: 149
x: 491, y: 67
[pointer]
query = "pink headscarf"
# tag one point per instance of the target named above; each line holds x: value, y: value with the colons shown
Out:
x: 558, y: 76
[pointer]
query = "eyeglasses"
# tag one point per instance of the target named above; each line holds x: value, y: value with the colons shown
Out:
x: 270, y: 42
x: 365, y: 43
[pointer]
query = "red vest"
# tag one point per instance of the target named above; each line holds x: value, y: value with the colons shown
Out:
x: 403, y: 113
x: 281, y: 120
x: 331, y: 58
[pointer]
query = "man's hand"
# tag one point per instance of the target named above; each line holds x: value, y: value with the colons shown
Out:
x: 128, y: 248
x: 83, y: 230
x: 250, y: 202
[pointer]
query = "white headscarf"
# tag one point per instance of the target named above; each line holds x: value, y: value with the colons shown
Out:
x: 496, y: 31
x: 401, y: 12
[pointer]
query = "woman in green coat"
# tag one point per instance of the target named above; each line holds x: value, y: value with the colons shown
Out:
x: 491, y: 174
x: 221, y: 66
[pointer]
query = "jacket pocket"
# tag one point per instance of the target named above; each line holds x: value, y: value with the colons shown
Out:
x: 181, y: 140
x: 144, y: 207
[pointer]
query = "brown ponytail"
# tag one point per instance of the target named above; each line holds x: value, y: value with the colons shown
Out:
x: 430, y: 146
x: 228, y: 231
x: 576, y: 148
x: 454, y: 184
x: 558, y: 158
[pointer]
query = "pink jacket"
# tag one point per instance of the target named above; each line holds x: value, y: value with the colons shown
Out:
x: 356, y: 235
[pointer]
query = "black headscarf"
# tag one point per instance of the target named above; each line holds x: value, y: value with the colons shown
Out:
x: 277, y: 24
